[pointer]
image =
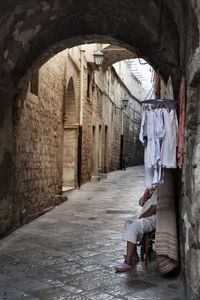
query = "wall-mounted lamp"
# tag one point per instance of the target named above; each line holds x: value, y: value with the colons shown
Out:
x: 98, y: 60
x: 125, y: 102
x: 122, y: 158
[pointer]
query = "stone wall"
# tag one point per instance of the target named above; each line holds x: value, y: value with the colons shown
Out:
x: 190, y: 197
x: 132, y: 148
x: 102, y: 121
x: 46, y: 120
x: 190, y: 185
x: 39, y: 140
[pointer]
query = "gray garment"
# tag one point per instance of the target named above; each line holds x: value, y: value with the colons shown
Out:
x: 135, y: 228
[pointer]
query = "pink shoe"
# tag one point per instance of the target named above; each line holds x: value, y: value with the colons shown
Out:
x: 123, y: 267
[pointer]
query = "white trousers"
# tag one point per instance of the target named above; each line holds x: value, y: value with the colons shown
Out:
x: 135, y: 228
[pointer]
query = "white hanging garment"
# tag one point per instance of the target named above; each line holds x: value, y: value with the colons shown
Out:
x: 149, y: 149
x: 168, y: 149
x: 159, y: 133
x: 155, y: 133
x: 157, y: 174
x: 148, y: 177
x: 142, y: 127
x: 149, y: 155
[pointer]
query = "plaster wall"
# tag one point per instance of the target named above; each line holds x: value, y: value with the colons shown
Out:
x: 136, y: 87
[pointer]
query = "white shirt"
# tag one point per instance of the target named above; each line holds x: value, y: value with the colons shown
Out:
x: 168, y: 149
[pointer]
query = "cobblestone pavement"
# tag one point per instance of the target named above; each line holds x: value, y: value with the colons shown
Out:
x: 70, y: 252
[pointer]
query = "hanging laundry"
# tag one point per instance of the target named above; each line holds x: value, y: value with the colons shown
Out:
x: 168, y: 150
x: 150, y: 148
x: 143, y: 128
x: 155, y: 135
x: 157, y: 174
x: 169, y: 144
x: 146, y: 137
x: 159, y: 133
x: 159, y: 128
x: 148, y: 177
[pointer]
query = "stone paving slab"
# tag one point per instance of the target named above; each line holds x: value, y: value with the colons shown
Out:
x: 71, y: 251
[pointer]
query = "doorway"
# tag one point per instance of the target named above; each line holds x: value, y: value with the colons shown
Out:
x: 70, y: 137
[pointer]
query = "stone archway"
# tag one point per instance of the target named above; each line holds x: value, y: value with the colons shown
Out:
x: 153, y: 29
x: 70, y: 117
x: 70, y: 137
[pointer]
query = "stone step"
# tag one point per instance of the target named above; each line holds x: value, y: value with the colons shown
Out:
x: 95, y: 178
x: 66, y: 190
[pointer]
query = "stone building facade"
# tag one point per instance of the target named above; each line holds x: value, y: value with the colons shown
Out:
x: 47, y: 123
x: 166, y: 34
x: 39, y: 141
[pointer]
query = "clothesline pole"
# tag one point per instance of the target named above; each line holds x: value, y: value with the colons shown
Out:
x: 121, y: 140
x: 122, y: 128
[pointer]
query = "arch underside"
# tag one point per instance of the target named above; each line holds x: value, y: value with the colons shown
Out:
x: 35, y: 32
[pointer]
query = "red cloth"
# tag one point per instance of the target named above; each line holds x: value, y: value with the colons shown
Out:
x: 181, y: 122
x: 145, y: 197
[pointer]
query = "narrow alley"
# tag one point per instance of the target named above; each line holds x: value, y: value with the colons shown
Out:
x: 71, y: 251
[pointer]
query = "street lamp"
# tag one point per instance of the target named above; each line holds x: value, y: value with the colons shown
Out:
x: 98, y: 58
x: 122, y: 160
x: 125, y: 102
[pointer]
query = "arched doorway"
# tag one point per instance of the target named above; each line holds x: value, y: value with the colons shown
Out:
x: 70, y: 137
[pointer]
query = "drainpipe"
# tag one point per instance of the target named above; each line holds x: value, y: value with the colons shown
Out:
x: 81, y: 119
x: 81, y: 86
x: 79, y: 156
x: 121, y: 143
